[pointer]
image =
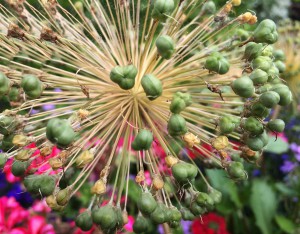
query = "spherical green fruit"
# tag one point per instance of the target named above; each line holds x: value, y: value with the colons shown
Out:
x: 269, y: 99
x: 279, y: 55
x: 276, y: 125
x: 259, y: 77
x: 105, y: 216
x: 63, y: 196
x: 158, y: 216
x: 177, y: 125
x: 175, y: 214
x: 162, y: 9
x: 124, y: 76
x: 152, y: 86
x: 285, y: 94
x: 14, y: 94
x: 141, y: 225
x: 217, y: 63
x: 180, y: 101
x: 192, y: 170
x: 236, y: 171
x: 259, y: 110
x: 255, y: 143
x: 273, y: 73
x: 243, y: 87
x: 262, y: 62
x: 180, y: 172
x: 165, y: 46
x: 281, y: 66
x: 19, y: 168
x: 32, y: 86
x: 253, y: 126
x: 253, y: 50
x: 266, y: 32
x: 226, y: 125
x: 4, y: 84
x: 146, y: 203
x: 84, y: 221
x: 143, y: 140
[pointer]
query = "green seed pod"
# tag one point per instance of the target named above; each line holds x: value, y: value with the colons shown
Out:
x: 253, y: 50
x: 159, y: 216
x: 279, y: 55
x: 18, y: 168
x: 146, y: 203
x: 242, y: 35
x: 63, y: 196
x: 266, y: 32
x: 255, y: 143
x: 269, y: 99
x: 8, y: 124
x: 264, y: 137
x: 174, y: 224
x: 204, y: 200
x: 105, y: 216
x: 32, y: 86
x: 186, y: 214
x: 143, y: 140
x: 264, y: 88
x: 44, y: 185
x: 141, y: 225
x: 180, y: 172
x: 175, y: 214
x: 124, y: 76
x: 273, y: 73
x: 3, y: 159
x: 176, y: 125
x: 23, y: 155
x: 196, y: 209
x: 243, y: 87
x: 165, y: 46
x: 276, y: 125
x: 281, y: 66
x: 236, y: 171
x: 217, y: 63
x: 4, y: 84
x: 215, y: 195
x: 84, y: 221
x: 14, y: 94
x: 162, y: 9
x: 253, y: 126
x: 29, y: 183
x: 226, y: 125
x: 263, y: 63
x: 267, y: 51
x: 152, y: 86
x: 285, y: 94
x: 259, y: 77
x: 180, y: 101
x: 6, y: 143
x: 192, y: 170
x: 119, y: 213
x: 60, y: 132
x: 209, y: 7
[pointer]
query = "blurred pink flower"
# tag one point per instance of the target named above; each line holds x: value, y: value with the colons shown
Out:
x: 129, y: 226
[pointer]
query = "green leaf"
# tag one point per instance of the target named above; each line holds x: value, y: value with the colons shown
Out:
x: 263, y: 203
x: 285, y: 224
x: 285, y: 190
x: 219, y: 180
x: 276, y: 146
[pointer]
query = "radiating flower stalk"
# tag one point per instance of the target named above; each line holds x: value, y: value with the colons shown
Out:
x: 147, y: 73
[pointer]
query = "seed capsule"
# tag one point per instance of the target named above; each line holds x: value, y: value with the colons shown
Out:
x: 84, y: 158
x: 14, y: 94
x: 273, y: 73
x: 285, y: 94
x: 177, y: 125
x: 253, y: 50
x: 190, y: 139
x: 209, y: 7
x: 32, y: 86
x: 124, y: 76
x: 162, y: 9
x: 157, y: 182
x: 105, y: 216
x: 99, y: 187
x: 55, y: 163
x: 165, y: 46
x: 18, y: 168
x: 259, y: 77
x: 3, y: 160
x: 276, y: 125
x: 267, y: 51
x: 143, y: 140
x: 7, y: 124
x: 217, y: 63
x: 20, y: 140
x: 227, y: 124
x: 215, y: 195
x: 279, y: 55
x: 141, y: 225
x: 196, y: 209
x: 220, y: 142
x: 6, y: 143
x: 266, y: 32
x: 4, y: 84
x: 262, y: 62
x: 186, y: 214
x: 51, y: 202
x: 152, y: 86
x: 204, y: 200
x: 281, y: 66
x: 23, y: 155
x: 146, y: 203
x: 180, y: 101
x: 243, y: 87
x: 159, y: 216
x: 269, y: 99
x: 84, y: 221
x: 236, y: 171
x: 259, y: 110
x: 63, y: 196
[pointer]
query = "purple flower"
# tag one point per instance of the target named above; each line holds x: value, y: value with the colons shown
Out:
x: 48, y: 107
x: 256, y: 172
x: 294, y: 147
x: 288, y: 166
x: 297, y: 156
x: 186, y: 226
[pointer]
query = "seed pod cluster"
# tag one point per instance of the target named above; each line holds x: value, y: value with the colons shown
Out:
x: 217, y: 63
x: 32, y: 86
x: 124, y: 76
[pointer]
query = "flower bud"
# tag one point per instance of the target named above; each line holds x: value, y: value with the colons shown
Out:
x: 143, y: 140
x: 263, y: 63
x: 23, y: 155
x: 180, y: 101
x: 3, y: 159
x: 269, y: 99
x: 177, y: 125
x: 20, y: 140
x: 55, y: 163
x: 266, y: 32
x: 259, y: 77
x: 60, y: 132
x: 170, y: 161
x: 84, y: 158
x: 84, y: 221
x: 157, y: 182
x: 281, y: 66
x: 165, y: 46
x: 99, y: 187
x: 253, y: 50
x: 243, y: 87
x: 190, y: 139
x: 4, y: 84
x: 276, y: 125
x: 63, y: 196
x: 32, y: 86
x: 217, y: 63
x: 220, y: 142
x: 152, y: 86
x: 162, y: 9
x: 124, y: 76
